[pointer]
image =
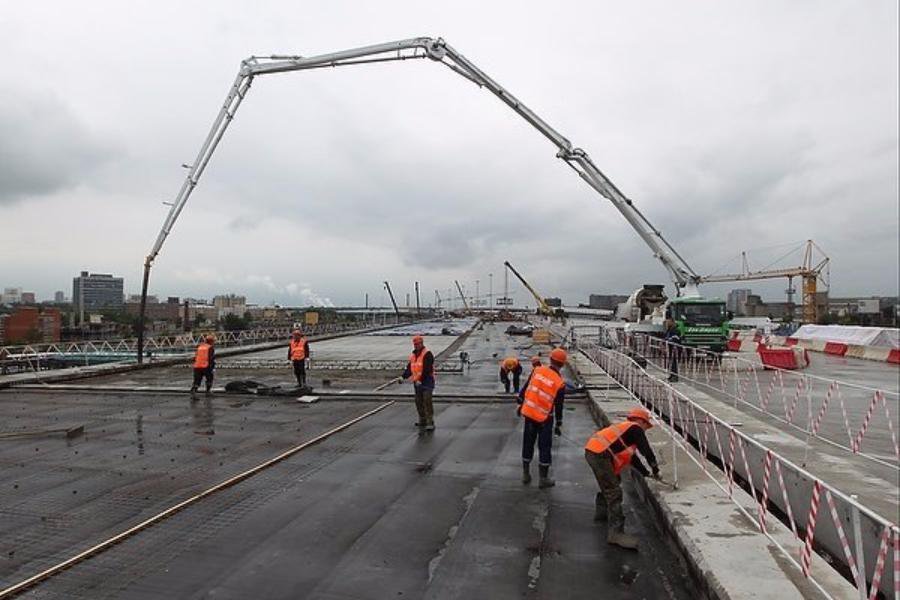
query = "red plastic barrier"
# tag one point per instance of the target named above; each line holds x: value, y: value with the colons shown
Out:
x: 782, y: 358
x: 733, y: 345
x: 790, y: 341
x: 836, y: 348
x: 894, y: 356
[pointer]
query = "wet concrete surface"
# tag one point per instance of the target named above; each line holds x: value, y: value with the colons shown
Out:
x: 378, y: 510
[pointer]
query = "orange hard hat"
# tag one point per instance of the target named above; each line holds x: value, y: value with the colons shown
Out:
x: 210, y: 338
x: 559, y: 355
x: 535, y: 361
x: 639, y: 413
x: 418, y: 339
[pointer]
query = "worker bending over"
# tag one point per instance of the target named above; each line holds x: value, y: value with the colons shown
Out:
x: 508, y: 365
x: 204, y: 364
x: 420, y: 369
x: 608, y: 452
x: 541, y: 398
x: 298, y: 354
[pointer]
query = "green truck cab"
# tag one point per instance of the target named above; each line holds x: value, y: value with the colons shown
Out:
x: 702, y: 322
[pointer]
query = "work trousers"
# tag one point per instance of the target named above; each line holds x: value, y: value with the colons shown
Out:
x: 200, y: 374
x: 423, y: 405
x: 300, y: 371
x: 542, y: 433
x: 609, y: 498
x: 504, y: 378
x: 673, y: 365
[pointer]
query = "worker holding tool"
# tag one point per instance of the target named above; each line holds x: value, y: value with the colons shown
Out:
x: 298, y: 354
x: 508, y: 365
x: 539, y: 401
x: 420, y: 369
x: 608, y: 452
x: 204, y: 364
x: 673, y: 345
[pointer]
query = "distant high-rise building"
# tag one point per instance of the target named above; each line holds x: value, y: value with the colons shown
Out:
x: 230, y: 305
x: 11, y: 296
x: 59, y: 297
x: 92, y: 291
x: 736, y: 301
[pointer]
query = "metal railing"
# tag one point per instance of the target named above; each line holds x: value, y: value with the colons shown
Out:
x: 855, y: 540
x: 35, y: 357
x: 813, y: 405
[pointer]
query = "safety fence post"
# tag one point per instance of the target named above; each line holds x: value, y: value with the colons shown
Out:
x: 674, y: 446
x: 858, y: 542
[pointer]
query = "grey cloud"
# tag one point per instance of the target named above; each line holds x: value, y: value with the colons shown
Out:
x: 43, y: 146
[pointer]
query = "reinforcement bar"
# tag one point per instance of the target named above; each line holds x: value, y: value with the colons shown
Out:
x: 110, y: 542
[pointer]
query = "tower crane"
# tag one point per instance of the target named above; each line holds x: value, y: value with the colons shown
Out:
x: 810, y: 272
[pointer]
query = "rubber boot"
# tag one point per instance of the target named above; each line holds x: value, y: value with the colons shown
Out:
x: 429, y: 426
x: 545, y: 481
x: 526, y: 472
x: 193, y: 393
x: 600, y: 512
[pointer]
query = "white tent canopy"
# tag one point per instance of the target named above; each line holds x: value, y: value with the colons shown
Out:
x: 883, y: 337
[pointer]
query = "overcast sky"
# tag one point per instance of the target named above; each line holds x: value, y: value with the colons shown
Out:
x: 732, y: 125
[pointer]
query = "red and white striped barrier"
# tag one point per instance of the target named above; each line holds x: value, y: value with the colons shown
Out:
x: 741, y: 455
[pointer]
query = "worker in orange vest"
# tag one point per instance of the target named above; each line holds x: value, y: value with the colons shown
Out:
x: 204, y: 364
x: 508, y: 365
x: 535, y: 361
x: 298, y: 354
x: 540, y: 400
x: 420, y: 369
x: 608, y: 452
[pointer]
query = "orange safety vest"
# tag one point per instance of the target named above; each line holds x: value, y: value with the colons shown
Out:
x: 201, y: 359
x: 298, y: 349
x: 543, y: 386
x: 509, y: 364
x: 417, y: 366
x: 604, y: 438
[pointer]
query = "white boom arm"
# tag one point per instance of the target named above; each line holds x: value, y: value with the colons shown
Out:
x: 438, y: 50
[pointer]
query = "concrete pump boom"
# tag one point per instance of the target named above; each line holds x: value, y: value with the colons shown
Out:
x: 436, y: 49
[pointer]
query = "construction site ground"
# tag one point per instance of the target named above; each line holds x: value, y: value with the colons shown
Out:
x: 379, y: 509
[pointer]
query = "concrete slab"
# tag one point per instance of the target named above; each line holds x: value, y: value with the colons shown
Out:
x: 375, y: 511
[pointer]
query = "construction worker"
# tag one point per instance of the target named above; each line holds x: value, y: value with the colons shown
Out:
x: 420, y: 369
x: 298, y: 354
x: 508, y: 365
x: 608, y: 452
x: 673, y: 345
x: 535, y: 361
x: 542, y: 396
x: 204, y: 364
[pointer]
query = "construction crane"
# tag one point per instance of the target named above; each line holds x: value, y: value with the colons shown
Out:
x: 543, y: 307
x: 810, y: 271
x: 440, y: 52
x: 387, y: 286
x: 437, y: 299
x: 463, y: 296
